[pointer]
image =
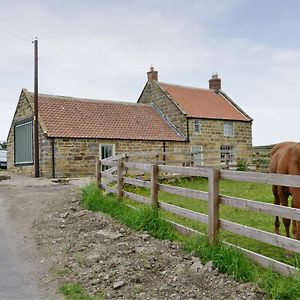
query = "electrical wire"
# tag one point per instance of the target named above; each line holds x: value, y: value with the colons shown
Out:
x: 15, y: 35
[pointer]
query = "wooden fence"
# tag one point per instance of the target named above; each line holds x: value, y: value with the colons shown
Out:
x: 248, y: 159
x: 120, y: 165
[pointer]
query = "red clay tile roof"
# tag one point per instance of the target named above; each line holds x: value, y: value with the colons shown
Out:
x: 202, y: 103
x: 85, y: 118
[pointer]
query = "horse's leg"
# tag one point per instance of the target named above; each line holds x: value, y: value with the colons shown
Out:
x: 277, y: 202
x: 295, y: 192
x: 284, y: 195
x: 294, y: 223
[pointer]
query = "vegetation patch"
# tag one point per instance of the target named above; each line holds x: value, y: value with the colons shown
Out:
x: 225, y: 258
x: 76, y: 292
x: 145, y: 219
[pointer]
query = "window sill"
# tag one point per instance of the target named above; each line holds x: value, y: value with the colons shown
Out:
x: 24, y: 164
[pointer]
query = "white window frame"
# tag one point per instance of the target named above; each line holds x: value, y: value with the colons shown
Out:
x: 197, y: 124
x: 100, y: 153
x: 198, y: 158
x: 228, y: 129
x: 228, y: 150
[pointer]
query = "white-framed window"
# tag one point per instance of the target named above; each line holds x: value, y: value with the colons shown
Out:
x: 228, y: 129
x: 23, y: 143
x: 197, y: 155
x: 197, y: 126
x: 227, y: 152
x: 105, y: 151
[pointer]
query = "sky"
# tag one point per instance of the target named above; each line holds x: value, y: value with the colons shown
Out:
x: 103, y: 49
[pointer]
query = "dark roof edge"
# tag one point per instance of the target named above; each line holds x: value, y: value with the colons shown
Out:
x: 142, y: 92
x: 168, y: 122
x: 220, y: 119
x: 107, y: 138
x: 234, y: 104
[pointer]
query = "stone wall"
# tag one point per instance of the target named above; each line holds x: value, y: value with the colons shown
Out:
x: 211, y: 138
x: 24, y: 111
x: 77, y: 157
x: 152, y: 93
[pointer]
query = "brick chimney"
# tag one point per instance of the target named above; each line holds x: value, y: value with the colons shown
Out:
x: 152, y: 75
x: 215, y: 82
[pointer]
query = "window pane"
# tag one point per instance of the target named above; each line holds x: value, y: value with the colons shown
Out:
x: 228, y: 129
x: 23, y: 143
x: 198, y: 155
x: 106, y: 150
x: 227, y: 153
x: 197, y: 126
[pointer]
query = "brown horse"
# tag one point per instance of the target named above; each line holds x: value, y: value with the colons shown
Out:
x: 285, y: 159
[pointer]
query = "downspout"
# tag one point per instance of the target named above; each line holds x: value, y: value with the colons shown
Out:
x: 53, y: 158
x: 187, y: 130
x: 164, y: 150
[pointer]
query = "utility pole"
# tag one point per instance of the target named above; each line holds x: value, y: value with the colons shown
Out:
x: 36, y: 113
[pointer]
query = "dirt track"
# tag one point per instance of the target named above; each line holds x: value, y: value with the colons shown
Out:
x: 56, y: 242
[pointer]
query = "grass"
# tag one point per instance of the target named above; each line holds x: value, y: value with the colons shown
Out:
x: 227, y: 259
x: 76, y: 292
x: 145, y: 219
x: 246, y: 190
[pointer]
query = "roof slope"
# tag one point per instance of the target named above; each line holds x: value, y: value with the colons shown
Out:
x: 85, y: 118
x: 203, y: 103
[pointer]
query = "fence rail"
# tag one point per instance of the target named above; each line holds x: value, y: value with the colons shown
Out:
x: 213, y: 198
x: 251, y: 159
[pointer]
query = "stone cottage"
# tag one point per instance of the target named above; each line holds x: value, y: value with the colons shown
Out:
x: 212, y: 123
x: 73, y: 132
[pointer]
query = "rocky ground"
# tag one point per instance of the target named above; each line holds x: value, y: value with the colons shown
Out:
x: 106, y: 257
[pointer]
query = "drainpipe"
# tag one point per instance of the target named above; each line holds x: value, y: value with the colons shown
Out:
x: 164, y: 150
x: 187, y: 130
x: 53, y: 158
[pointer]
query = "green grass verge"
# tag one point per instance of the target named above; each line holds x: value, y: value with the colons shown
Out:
x: 145, y: 219
x: 227, y: 259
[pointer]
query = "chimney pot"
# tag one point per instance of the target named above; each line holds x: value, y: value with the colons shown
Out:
x: 152, y: 74
x: 215, y: 82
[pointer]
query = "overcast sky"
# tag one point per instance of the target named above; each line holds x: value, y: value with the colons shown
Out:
x: 103, y: 49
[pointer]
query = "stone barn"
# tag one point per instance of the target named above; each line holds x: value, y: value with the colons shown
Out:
x: 73, y: 132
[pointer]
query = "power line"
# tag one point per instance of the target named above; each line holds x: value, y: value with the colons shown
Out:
x: 15, y: 35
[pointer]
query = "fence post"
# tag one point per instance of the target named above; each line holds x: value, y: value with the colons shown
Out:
x: 120, y: 171
x: 257, y: 162
x: 126, y: 160
x: 98, y: 172
x: 213, y: 205
x: 154, y: 185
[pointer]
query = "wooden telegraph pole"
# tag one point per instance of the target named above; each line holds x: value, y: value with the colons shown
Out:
x: 36, y: 113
